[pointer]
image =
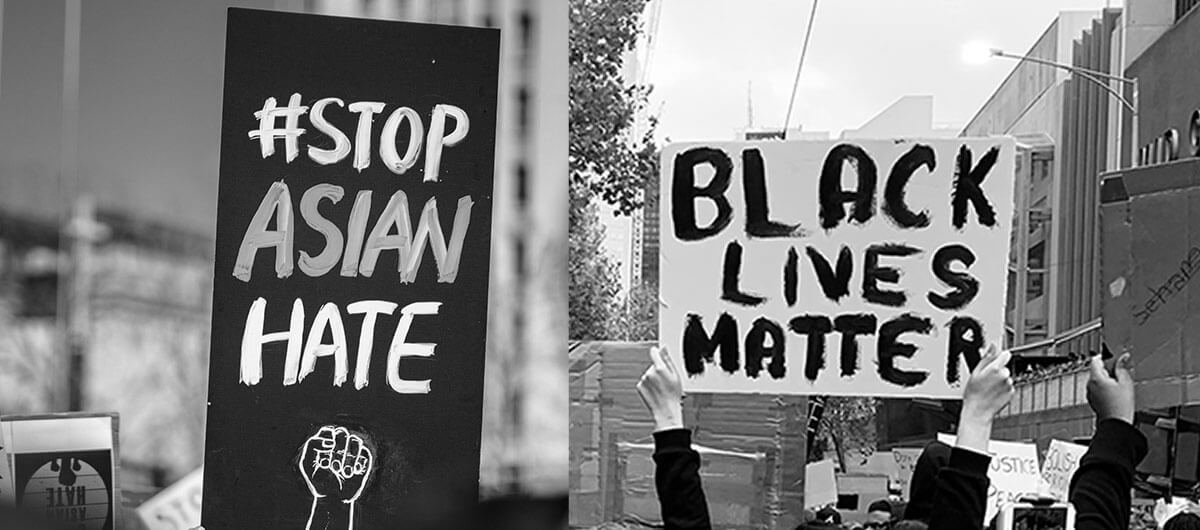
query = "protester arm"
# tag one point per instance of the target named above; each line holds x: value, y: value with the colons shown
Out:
x: 677, y: 478
x: 960, y: 500
x: 1100, y: 488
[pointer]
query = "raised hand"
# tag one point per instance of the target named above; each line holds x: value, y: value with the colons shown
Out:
x: 1109, y: 396
x: 335, y: 464
x: 990, y: 386
x: 661, y: 389
x: 988, y: 390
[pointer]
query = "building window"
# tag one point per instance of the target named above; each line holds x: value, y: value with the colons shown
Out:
x: 1011, y: 302
x: 1035, y: 285
x: 1037, y: 256
x: 1041, y: 164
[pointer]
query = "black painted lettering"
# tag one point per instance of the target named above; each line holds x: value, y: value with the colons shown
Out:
x: 833, y: 197
x: 758, y: 222
x: 965, y: 286
x: 968, y: 186
x: 757, y: 348
x: 684, y: 192
x: 894, y: 204
x: 835, y: 285
x: 851, y: 326
x: 966, y: 341
x: 815, y: 327
x: 730, y: 290
x: 873, y: 273
x: 699, y: 346
x: 791, y: 277
x: 889, y: 348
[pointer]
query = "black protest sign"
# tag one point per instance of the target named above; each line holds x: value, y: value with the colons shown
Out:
x: 351, y: 274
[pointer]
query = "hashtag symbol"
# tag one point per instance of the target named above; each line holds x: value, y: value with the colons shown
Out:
x: 267, y: 133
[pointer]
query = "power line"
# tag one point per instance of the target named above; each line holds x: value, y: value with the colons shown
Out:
x: 799, y: 67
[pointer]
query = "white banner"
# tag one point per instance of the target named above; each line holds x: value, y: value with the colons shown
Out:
x: 871, y: 267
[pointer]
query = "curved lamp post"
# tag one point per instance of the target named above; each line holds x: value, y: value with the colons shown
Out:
x: 1095, y: 77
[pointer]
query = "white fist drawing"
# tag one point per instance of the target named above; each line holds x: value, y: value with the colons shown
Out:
x: 335, y: 464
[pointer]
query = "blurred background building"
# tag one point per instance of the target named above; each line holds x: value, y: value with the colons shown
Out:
x: 1071, y: 131
x: 109, y: 136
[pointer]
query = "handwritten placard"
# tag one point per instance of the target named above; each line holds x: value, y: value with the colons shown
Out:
x: 906, y: 462
x: 1062, y: 460
x: 846, y: 268
x: 1013, y: 472
x: 351, y: 271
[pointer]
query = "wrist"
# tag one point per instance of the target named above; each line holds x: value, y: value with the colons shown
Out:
x: 974, y: 432
x: 331, y: 513
x: 1124, y: 416
x: 668, y: 418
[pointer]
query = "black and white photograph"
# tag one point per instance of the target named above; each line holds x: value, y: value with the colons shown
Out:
x: 305, y: 257
x: 863, y: 264
x: 599, y: 264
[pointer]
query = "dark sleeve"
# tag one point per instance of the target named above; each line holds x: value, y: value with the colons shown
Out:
x: 960, y: 500
x: 1100, y: 488
x: 677, y: 478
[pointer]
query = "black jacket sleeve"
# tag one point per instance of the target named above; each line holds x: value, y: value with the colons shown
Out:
x: 1100, y: 488
x: 960, y: 500
x: 677, y: 479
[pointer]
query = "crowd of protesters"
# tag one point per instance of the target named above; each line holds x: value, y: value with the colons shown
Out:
x: 949, y: 486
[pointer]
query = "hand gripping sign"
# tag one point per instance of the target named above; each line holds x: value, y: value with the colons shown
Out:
x: 335, y: 463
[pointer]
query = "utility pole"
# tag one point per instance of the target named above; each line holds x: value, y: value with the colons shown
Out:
x: 81, y: 233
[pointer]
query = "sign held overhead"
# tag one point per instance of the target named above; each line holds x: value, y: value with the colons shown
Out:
x: 842, y: 268
x: 351, y: 276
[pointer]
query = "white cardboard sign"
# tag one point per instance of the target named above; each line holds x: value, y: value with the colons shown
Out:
x: 1014, y: 473
x: 177, y: 507
x: 873, y: 267
x: 906, y: 462
x: 1062, y: 459
x: 820, y: 484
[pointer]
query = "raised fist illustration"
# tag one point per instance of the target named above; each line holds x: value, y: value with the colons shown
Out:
x: 335, y: 463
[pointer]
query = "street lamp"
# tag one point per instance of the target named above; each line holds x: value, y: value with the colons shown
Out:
x: 1095, y: 77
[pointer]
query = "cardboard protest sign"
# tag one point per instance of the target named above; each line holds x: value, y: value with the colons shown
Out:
x: 906, y: 462
x: 351, y: 272
x: 820, y: 484
x: 1062, y: 459
x: 1149, y: 255
x: 844, y: 268
x: 177, y: 507
x: 1014, y: 473
x: 65, y: 467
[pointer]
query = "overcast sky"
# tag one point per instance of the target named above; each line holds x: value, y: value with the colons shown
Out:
x: 864, y: 54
